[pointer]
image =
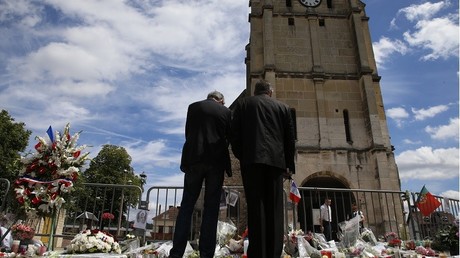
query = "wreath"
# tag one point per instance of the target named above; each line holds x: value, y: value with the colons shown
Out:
x: 50, y: 172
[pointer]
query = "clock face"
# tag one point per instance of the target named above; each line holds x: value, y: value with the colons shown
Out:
x: 310, y: 3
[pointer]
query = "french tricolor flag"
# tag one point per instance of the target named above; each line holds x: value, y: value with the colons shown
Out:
x: 294, y: 194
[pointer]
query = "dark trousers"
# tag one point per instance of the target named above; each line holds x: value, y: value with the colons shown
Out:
x: 213, y: 178
x: 327, y: 230
x: 263, y: 187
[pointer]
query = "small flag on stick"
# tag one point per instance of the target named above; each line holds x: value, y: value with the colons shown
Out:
x: 426, y: 202
x: 294, y: 194
x: 50, y: 133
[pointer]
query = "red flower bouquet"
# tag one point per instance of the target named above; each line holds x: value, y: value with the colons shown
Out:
x: 390, y: 235
x: 107, y: 216
x: 394, y: 242
x: 22, y: 232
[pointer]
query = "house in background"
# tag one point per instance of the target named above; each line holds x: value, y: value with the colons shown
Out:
x: 163, y: 224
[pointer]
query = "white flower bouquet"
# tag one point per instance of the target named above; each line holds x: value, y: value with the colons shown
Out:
x: 93, y: 241
x: 368, y: 236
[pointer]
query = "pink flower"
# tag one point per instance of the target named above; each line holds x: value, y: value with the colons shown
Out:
x: 107, y: 216
x: 22, y: 231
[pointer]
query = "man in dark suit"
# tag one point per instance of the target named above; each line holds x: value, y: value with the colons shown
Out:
x: 205, y: 157
x: 263, y: 140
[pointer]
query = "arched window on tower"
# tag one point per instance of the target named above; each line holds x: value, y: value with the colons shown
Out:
x: 346, y: 122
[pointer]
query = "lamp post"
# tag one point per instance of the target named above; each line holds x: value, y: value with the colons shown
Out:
x: 143, y: 179
x: 143, y: 204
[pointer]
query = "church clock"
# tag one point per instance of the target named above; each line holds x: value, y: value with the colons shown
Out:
x: 310, y: 3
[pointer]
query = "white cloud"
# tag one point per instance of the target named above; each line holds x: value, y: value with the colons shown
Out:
x: 385, y: 47
x: 432, y: 31
x: 154, y: 153
x: 393, y: 25
x: 440, y: 36
x: 423, y: 11
x: 109, y: 56
x: 426, y: 163
x: 422, y: 114
x: 179, y: 93
x: 11, y: 10
x: 408, y: 141
x: 398, y: 114
x: 176, y: 179
x: 451, y: 194
x: 443, y: 132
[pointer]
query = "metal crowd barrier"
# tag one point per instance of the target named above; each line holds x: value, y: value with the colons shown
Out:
x: 384, y: 211
x: 4, y: 189
x: 164, y: 204
x: 95, y: 200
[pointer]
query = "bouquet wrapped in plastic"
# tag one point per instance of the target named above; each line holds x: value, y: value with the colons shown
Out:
x: 225, y: 232
x: 305, y: 249
x: 368, y: 236
x: 319, y: 241
x: 350, y: 231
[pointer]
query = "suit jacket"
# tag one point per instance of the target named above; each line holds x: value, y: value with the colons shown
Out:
x: 263, y: 132
x: 206, y: 135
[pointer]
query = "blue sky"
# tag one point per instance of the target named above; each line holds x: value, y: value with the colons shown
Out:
x: 124, y: 73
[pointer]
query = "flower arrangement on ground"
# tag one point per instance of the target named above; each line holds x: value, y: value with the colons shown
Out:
x: 395, y: 242
x: 425, y: 251
x: 368, y: 236
x: 390, y: 235
x: 290, y: 246
x: 49, y: 173
x: 447, y: 239
x: 393, y: 239
x: 22, y: 232
x: 107, y: 216
x: 93, y: 241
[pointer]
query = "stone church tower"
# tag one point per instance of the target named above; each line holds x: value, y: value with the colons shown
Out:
x: 320, y: 62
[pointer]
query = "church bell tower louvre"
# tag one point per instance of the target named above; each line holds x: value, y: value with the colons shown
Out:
x: 319, y: 60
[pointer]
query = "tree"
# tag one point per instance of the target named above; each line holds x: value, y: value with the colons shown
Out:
x: 109, y: 166
x: 14, y: 139
x: 112, y: 165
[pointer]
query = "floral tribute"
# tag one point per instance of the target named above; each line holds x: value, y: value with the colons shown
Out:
x: 390, y: 235
x: 107, y: 216
x: 50, y: 172
x: 22, y: 232
x: 93, y: 241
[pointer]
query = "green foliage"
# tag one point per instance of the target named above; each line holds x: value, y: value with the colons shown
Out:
x: 14, y: 139
x: 447, y: 240
x: 112, y: 165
